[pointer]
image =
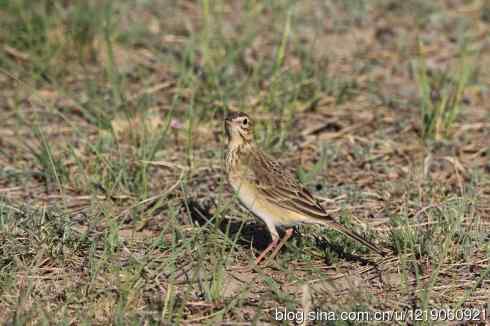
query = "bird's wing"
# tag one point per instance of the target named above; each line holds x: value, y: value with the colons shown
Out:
x: 280, y: 186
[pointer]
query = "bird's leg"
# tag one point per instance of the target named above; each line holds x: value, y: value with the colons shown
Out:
x: 271, y: 246
x: 285, y: 238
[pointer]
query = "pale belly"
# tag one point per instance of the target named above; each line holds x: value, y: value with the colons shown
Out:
x: 268, y: 212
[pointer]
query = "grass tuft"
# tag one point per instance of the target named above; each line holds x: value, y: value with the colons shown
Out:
x: 442, y: 95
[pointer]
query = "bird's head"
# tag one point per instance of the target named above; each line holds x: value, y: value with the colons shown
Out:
x: 239, y: 128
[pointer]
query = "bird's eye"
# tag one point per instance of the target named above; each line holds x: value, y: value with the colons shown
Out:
x: 245, y: 122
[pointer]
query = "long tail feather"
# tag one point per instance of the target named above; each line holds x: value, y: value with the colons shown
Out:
x: 353, y: 235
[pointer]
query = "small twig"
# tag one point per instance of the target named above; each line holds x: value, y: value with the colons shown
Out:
x: 424, y: 209
x: 13, y: 208
x: 166, y: 164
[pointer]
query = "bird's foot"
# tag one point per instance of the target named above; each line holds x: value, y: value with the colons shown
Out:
x: 274, y: 245
x: 262, y: 255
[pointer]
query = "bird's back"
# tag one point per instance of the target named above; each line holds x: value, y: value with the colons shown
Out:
x: 255, y: 175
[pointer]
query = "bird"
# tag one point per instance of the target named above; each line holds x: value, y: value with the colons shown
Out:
x: 270, y: 190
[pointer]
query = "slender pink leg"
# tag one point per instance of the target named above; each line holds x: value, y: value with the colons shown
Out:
x: 287, y: 235
x: 275, y: 246
x: 271, y: 246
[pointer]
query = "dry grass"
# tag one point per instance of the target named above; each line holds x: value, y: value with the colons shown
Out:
x: 113, y: 203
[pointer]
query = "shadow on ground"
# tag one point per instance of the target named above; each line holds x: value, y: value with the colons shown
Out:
x: 256, y: 234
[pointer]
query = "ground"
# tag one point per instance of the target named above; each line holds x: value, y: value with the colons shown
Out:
x: 114, y: 207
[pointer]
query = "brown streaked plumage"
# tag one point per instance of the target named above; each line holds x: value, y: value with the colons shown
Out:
x: 269, y: 190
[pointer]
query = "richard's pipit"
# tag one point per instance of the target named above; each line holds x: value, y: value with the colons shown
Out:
x: 269, y: 190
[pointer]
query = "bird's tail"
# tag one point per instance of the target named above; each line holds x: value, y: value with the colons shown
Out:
x: 353, y: 235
